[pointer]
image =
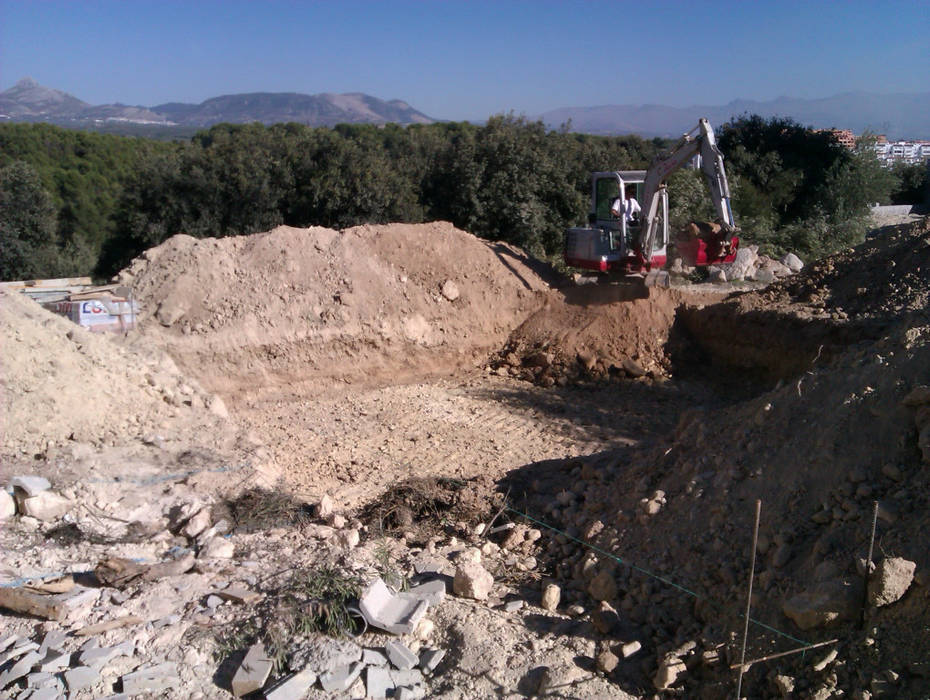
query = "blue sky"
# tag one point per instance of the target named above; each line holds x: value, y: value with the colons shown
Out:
x: 466, y: 60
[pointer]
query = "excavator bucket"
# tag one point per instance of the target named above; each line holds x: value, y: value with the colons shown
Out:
x: 657, y: 278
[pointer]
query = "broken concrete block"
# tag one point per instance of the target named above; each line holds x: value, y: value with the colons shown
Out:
x: 45, y: 506
x: 373, y: 657
x: 7, y: 505
x: 388, y: 611
x: 400, y: 655
x: 54, y: 661
x: 409, y: 678
x: 80, y: 677
x: 472, y: 581
x: 433, y: 592
x: 321, y: 654
x: 512, y: 606
x: 430, y: 659
x: 253, y: 671
x: 19, y: 668
x: 378, y: 682
x: 53, y: 639
x: 46, y: 693
x: 153, y: 679
x: 294, y: 687
x: 30, y: 485
x: 347, y: 539
x: 341, y: 678
x: 630, y: 648
x: 8, y: 640
x: 98, y: 658
x: 17, y: 649
x: 41, y: 679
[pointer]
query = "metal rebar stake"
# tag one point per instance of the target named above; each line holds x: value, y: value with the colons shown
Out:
x: 752, y: 571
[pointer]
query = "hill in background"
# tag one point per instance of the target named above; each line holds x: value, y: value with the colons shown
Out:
x: 27, y: 101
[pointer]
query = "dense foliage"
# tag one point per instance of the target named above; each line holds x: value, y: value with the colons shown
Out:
x: 799, y: 190
x: 76, y: 201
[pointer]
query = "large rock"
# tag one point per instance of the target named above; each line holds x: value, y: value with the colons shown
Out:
x: 890, y: 581
x: 603, y: 586
x: 792, y: 262
x: 472, y: 581
x: 744, y: 264
x: 46, y: 505
x: 828, y: 603
x: 550, y: 597
x: 669, y: 670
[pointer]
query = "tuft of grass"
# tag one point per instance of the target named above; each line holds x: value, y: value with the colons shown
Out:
x: 387, y: 566
x: 260, y: 509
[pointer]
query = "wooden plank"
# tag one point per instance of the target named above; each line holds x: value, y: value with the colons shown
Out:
x: 108, y: 625
x: 51, y: 284
x: 22, y: 601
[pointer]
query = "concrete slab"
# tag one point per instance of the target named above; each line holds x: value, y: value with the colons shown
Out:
x: 388, y: 611
x: 409, y: 678
x: 253, y: 671
x: 378, y: 682
x: 55, y: 660
x: 373, y: 657
x: 30, y: 485
x: 400, y: 655
x: 18, y: 649
x: 81, y: 677
x: 294, y: 687
x: 19, y: 668
x: 152, y: 679
x: 44, y: 694
x: 416, y: 692
x: 8, y: 640
x: 341, y: 678
x: 433, y: 592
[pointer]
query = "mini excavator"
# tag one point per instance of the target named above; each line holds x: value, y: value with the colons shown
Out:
x: 637, y: 247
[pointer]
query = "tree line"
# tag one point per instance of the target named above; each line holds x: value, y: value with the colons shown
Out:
x: 75, y: 202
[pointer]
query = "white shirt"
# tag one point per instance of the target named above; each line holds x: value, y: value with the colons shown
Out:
x: 627, y: 207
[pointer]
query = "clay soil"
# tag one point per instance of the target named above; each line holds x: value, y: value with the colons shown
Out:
x: 391, y: 367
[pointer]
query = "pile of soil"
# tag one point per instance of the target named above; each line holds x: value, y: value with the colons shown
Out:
x: 294, y: 307
x: 67, y: 391
x: 593, y: 332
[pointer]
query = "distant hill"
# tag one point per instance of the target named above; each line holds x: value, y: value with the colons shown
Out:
x: 27, y: 101
x: 898, y: 116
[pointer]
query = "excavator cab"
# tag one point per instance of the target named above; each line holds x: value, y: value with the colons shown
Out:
x: 610, y: 244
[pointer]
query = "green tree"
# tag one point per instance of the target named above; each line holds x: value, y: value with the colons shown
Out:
x: 27, y: 225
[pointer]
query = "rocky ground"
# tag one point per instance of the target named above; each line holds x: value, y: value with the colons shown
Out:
x: 557, y: 483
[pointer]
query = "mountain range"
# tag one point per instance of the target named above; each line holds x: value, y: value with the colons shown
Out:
x: 27, y: 101
x: 897, y: 115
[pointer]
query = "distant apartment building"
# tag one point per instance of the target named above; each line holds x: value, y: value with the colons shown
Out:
x: 889, y: 152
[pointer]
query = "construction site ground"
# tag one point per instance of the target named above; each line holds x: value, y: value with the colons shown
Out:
x: 454, y: 400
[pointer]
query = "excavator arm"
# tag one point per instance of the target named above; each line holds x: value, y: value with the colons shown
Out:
x: 699, y: 141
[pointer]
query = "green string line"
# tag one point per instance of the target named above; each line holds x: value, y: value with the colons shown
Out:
x: 649, y: 573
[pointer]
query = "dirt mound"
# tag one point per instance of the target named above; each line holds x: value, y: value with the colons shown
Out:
x: 314, y: 305
x: 592, y: 331
x: 67, y: 390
